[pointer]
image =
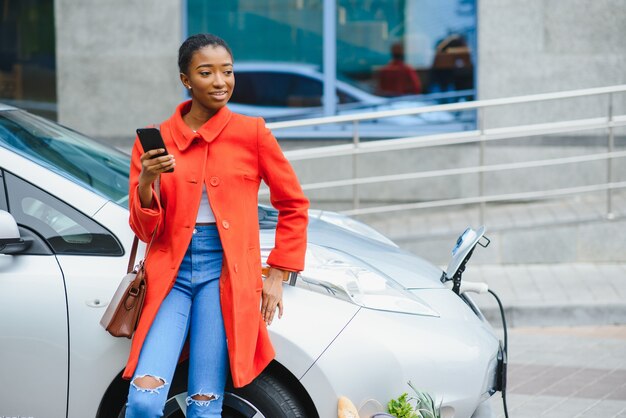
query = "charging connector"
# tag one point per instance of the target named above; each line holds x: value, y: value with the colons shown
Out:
x: 465, y: 286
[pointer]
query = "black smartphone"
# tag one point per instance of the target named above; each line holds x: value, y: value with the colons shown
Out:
x: 150, y: 139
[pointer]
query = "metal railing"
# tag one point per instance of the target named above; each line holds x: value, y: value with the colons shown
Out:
x: 480, y: 136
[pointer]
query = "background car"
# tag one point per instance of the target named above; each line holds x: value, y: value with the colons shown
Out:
x: 364, y: 318
x: 286, y: 91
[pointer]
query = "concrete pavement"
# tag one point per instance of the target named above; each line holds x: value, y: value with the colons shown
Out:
x: 567, y: 358
x: 566, y: 372
x: 572, y: 294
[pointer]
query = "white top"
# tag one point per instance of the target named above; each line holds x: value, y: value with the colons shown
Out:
x: 205, y: 213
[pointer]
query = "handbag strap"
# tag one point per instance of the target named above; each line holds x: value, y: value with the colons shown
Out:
x: 133, y: 250
x: 133, y: 255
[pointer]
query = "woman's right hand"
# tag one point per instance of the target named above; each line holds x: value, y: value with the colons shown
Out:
x: 151, y: 168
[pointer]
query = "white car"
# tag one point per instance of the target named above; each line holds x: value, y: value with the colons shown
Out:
x: 284, y: 91
x: 364, y: 318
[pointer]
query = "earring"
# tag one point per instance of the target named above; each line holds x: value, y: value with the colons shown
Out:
x: 188, y: 87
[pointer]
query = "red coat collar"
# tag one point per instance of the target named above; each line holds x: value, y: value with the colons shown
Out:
x: 184, y: 135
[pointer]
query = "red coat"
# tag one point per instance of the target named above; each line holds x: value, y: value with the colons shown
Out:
x: 229, y: 155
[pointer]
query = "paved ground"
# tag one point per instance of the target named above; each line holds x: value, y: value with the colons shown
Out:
x: 554, y: 294
x: 566, y: 356
x: 573, y: 372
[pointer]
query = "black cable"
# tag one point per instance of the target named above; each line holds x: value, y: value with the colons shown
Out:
x: 506, y: 411
x: 505, y: 349
x: 506, y: 342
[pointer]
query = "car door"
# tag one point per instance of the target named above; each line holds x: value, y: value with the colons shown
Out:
x: 90, y: 259
x: 34, y: 339
x: 84, y: 255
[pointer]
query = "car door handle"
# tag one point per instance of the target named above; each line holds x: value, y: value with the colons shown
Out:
x: 96, y: 303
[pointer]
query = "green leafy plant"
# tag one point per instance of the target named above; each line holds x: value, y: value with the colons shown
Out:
x: 401, y: 407
x: 423, y: 407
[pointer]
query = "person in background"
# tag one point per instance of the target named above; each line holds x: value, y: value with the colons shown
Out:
x: 452, y: 68
x: 397, y: 78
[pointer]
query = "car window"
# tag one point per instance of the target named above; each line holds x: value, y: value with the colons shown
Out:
x: 245, y: 91
x: 260, y: 89
x: 345, y: 97
x: 276, y: 89
x: 304, y: 91
x: 66, y: 230
x: 97, y: 167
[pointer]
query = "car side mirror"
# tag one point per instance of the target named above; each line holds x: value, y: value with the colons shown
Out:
x: 10, y: 240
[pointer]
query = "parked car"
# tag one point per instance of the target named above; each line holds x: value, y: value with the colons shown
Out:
x: 363, y: 319
x: 285, y: 91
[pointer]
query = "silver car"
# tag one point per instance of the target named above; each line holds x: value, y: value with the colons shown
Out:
x: 364, y: 318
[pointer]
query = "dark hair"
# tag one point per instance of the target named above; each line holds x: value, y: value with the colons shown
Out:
x: 196, y: 42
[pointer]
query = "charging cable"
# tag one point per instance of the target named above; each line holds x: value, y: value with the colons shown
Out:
x: 480, y: 288
x: 505, y: 350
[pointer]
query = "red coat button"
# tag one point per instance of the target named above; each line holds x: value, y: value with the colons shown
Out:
x: 214, y: 181
x: 225, y: 224
x: 236, y: 268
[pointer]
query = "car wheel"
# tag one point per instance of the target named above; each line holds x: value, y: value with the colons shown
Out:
x: 268, y: 396
x: 265, y: 397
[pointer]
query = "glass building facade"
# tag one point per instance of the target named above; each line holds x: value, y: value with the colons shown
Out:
x: 386, y: 47
x: 27, y: 55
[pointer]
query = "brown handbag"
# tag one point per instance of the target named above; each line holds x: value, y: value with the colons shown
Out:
x: 122, y: 315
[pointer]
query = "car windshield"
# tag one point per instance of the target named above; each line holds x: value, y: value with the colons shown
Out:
x: 95, y: 166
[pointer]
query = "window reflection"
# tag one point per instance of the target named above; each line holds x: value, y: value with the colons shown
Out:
x: 27, y: 55
x: 388, y: 48
x: 390, y: 55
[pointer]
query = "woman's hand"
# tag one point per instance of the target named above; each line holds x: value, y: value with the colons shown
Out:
x: 272, y: 295
x: 151, y: 168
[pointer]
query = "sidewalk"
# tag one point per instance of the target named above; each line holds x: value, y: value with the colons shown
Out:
x: 566, y: 372
x: 553, y: 294
x: 567, y: 359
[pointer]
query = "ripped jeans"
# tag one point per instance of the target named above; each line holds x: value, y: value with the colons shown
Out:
x: 193, y: 305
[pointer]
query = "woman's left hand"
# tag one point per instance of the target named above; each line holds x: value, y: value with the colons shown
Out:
x: 272, y: 295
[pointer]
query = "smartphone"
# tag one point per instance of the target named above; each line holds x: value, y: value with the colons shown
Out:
x: 150, y: 139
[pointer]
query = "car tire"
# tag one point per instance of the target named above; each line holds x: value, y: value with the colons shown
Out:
x: 271, y: 398
x: 264, y: 397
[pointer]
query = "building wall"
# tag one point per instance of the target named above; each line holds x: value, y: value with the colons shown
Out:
x: 117, y: 64
x: 540, y: 46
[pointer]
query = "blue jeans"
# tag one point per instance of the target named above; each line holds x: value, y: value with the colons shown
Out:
x: 193, y: 305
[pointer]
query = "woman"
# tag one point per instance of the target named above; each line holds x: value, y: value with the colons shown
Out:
x: 204, y: 267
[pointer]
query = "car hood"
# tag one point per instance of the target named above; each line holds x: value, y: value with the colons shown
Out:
x: 407, y: 269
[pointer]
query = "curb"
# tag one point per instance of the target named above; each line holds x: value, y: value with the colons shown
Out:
x: 557, y: 315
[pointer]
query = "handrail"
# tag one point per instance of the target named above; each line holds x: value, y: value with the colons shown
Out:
x: 485, y: 199
x: 449, y: 107
x: 480, y: 136
x: 457, y: 171
x: 454, y: 138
